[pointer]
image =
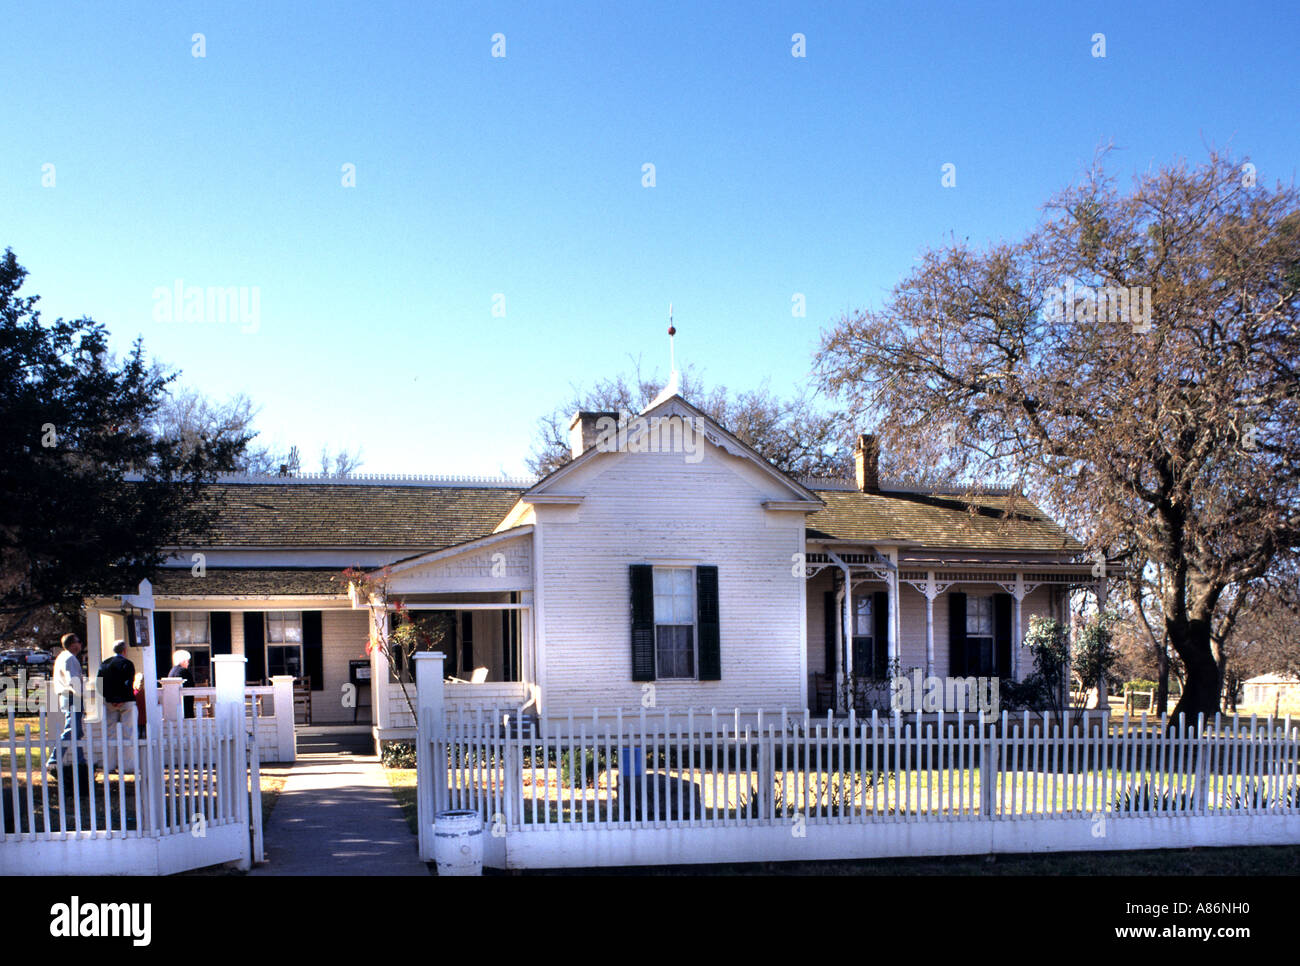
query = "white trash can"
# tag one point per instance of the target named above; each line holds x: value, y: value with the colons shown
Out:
x: 458, y: 842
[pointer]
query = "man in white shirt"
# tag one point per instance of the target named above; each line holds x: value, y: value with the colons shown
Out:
x: 68, y: 690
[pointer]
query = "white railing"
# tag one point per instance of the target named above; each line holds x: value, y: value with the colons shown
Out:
x: 461, y: 697
x: 268, y: 714
x: 664, y: 787
x: 112, y: 802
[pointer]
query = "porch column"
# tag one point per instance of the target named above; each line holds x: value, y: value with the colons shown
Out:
x: 1017, y: 639
x: 94, y: 643
x: 846, y: 675
x: 931, y: 592
x: 379, y: 671
x: 895, y: 614
x: 527, y: 653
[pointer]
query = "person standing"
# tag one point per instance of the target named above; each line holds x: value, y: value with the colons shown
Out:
x: 68, y: 691
x: 181, y: 669
x: 115, y: 678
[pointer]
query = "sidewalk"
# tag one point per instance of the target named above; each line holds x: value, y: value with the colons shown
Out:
x: 337, y: 815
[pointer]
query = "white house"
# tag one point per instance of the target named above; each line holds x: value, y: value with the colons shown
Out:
x: 667, y: 559
x: 1270, y: 690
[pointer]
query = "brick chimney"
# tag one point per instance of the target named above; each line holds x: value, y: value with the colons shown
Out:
x: 866, y: 463
x: 584, y: 431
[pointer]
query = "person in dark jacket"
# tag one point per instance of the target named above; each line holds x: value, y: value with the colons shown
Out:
x: 115, y: 686
x: 181, y: 669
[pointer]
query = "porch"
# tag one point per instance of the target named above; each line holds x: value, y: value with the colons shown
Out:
x: 486, y: 647
x: 877, y: 613
x: 473, y: 605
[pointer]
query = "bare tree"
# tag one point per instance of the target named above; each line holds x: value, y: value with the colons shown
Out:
x: 791, y: 434
x: 189, y: 417
x: 342, y: 463
x: 1131, y: 362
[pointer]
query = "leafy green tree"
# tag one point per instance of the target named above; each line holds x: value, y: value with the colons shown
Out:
x: 90, y: 495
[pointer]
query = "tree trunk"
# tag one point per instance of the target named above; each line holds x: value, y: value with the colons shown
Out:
x: 1201, y: 690
x: 1162, y: 680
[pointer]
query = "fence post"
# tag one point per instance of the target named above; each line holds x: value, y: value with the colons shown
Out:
x: 987, y: 797
x: 1202, y: 799
x: 430, y: 756
x: 282, y: 700
x: 171, y: 698
x: 228, y: 710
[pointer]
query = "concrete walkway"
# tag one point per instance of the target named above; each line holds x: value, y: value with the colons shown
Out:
x: 337, y: 814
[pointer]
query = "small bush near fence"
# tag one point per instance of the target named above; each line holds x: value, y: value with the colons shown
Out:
x: 398, y: 754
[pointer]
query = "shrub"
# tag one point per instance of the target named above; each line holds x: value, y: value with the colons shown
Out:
x: 590, y: 765
x: 1148, y: 797
x: 1031, y: 694
x: 1256, y: 794
x: 398, y: 754
x: 1140, y: 684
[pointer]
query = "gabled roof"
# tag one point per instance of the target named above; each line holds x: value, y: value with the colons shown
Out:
x: 911, y: 519
x: 319, y: 515
x: 715, y: 433
x: 469, y: 546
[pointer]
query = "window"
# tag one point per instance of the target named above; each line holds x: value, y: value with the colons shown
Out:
x: 674, y: 608
x: 863, y: 626
x: 870, y: 649
x: 190, y: 631
x: 979, y: 635
x: 284, y: 643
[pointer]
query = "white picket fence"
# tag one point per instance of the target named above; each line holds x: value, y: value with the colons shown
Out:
x: 185, y: 796
x: 669, y: 787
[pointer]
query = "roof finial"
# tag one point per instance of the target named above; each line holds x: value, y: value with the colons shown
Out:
x: 672, y: 331
x: 674, y: 381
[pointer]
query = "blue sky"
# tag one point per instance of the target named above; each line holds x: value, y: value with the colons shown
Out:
x: 522, y: 176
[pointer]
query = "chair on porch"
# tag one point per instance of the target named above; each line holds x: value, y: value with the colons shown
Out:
x: 823, y: 693
x: 302, y: 701
x: 479, y: 676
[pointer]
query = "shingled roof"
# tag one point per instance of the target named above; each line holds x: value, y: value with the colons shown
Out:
x: 918, y: 520
x: 250, y: 581
x: 296, y: 515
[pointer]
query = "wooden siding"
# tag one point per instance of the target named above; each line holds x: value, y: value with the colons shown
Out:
x: 657, y: 507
